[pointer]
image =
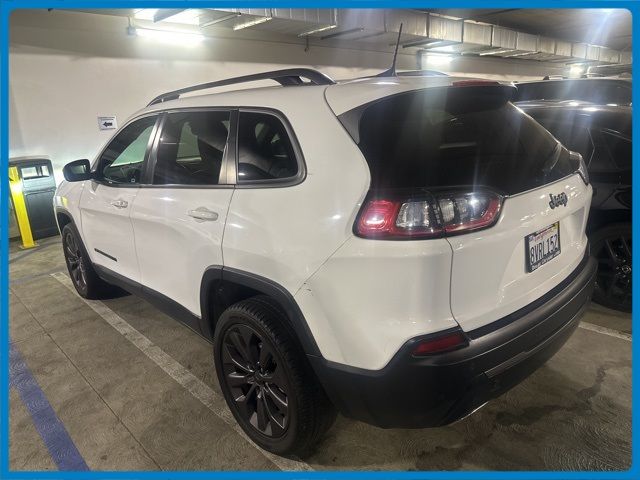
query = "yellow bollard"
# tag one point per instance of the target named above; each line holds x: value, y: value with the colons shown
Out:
x: 15, y: 184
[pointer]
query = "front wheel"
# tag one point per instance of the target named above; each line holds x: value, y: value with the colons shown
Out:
x: 85, y: 279
x: 267, y: 381
x: 611, y: 246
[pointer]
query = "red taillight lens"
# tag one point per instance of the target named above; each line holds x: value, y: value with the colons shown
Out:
x: 440, y: 344
x: 428, y: 216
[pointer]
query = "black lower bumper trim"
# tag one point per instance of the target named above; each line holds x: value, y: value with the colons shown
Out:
x: 431, y: 391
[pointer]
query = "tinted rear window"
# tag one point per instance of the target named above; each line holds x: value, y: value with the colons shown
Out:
x: 593, y: 91
x: 445, y: 137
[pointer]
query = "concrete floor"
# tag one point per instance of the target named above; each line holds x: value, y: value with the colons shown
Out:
x: 124, y: 412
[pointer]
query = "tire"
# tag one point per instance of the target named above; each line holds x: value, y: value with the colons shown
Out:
x: 267, y: 381
x: 84, y: 277
x: 611, y: 246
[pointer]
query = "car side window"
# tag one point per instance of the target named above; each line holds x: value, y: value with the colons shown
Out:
x: 618, y: 147
x: 191, y: 148
x: 573, y: 134
x: 123, y: 159
x: 265, y: 151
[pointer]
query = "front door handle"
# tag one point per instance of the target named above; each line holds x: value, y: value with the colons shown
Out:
x: 203, y: 213
x: 120, y: 203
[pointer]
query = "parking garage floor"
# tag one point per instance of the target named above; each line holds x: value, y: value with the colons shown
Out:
x: 131, y: 389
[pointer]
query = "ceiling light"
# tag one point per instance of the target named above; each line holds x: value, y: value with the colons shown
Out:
x: 318, y: 30
x: 251, y: 23
x: 220, y: 20
x: 344, y: 32
x: 166, y: 36
x: 438, y: 60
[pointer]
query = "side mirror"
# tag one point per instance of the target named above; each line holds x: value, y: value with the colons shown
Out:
x: 77, y: 171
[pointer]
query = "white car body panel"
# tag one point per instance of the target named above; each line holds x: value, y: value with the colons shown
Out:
x: 173, y: 248
x: 372, y: 296
x: 286, y: 233
x: 489, y: 280
x: 108, y: 228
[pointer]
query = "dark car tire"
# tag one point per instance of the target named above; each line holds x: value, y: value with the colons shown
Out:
x: 254, y: 331
x: 84, y: 277
x: 611, y: 246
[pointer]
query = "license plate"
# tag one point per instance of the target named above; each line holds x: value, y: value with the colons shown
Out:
x: 542, y: 246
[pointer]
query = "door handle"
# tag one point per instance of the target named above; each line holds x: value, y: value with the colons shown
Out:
x: 120, y: 203
x: 203, y: 213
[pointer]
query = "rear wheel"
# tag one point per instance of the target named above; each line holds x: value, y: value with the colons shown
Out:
x: 611, y: 246
x: 267, y: 380
x: 85, y: 279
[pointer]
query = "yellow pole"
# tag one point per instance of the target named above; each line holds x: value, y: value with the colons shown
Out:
x: 15, y: 184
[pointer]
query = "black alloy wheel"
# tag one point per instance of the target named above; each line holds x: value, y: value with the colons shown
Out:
x: 254, y: 374
x: 612, y: 249
x: 84, y: 277
x: 75, y: 261
x: 267, y: 380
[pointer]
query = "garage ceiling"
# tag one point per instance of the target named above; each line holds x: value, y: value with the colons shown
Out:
x: 585, y: 36
x: 606, y: 27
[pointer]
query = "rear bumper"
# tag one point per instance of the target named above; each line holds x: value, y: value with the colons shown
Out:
x: 431, y: 391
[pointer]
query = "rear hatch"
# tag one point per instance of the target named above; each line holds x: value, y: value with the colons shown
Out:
x: 464, y: 163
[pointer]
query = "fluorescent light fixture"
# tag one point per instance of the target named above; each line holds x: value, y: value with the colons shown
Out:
x: 344, y: 32
x: 419, y: 43
x: 220, y: 20
x: 186, y: 17
x: 251, y: 23
x: 190, y: 16
x: 167, y: 36
x: 318, y: 30
x: 496, y: 52
x: 438, y: 60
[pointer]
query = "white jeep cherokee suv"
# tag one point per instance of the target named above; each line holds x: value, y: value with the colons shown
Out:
x: 401, y: 249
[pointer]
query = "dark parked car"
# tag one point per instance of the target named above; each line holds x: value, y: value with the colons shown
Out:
x: 602, y: 134
x: 601, y: 91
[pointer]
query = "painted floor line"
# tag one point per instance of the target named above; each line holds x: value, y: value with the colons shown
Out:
x: 605, y: 331
x: 55, y: 437
x: 179, y: 373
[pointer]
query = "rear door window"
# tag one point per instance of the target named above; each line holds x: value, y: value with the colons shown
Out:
x: 191, y: 148
x: 448, y: 137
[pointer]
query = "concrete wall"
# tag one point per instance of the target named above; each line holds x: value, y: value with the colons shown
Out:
x: 66, y: 68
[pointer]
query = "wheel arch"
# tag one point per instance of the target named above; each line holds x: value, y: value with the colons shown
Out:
x: 63, y: 217
x: 221, y: 287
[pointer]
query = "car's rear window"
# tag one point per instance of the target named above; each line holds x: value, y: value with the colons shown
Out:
x: 594, y: 91
x: 447, y: 137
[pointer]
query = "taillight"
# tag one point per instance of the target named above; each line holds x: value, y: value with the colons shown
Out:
x: 444, y: 343
x: 392, y: 216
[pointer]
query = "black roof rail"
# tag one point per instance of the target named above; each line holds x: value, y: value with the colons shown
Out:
x: 286, y: 77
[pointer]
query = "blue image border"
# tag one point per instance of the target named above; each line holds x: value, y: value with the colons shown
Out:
x: 7, y: 6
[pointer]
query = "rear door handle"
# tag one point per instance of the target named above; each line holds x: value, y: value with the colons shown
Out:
x: 120, y: 203
x: 203, y: 213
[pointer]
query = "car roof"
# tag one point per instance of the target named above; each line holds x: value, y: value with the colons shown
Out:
x: 341, y: 96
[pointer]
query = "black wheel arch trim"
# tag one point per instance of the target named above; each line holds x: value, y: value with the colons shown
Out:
x: 217, y: 278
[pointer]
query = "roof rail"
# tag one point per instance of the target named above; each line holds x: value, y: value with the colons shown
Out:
x: 286, y: 77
